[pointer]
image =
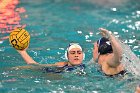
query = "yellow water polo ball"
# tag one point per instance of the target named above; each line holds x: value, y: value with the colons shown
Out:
x: 19, y: 38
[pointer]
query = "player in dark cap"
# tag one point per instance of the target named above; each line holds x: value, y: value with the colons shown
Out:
x: 108, y: 53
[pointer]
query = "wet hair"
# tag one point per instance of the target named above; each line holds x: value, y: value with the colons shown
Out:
x: 104, y: 46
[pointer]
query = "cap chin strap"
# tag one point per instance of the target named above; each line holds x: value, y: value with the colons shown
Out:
x: 66, y: 55
x: 99, y: 41
x: 96, y: 60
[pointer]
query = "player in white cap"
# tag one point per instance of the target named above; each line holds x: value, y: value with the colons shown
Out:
x: 74, y: 55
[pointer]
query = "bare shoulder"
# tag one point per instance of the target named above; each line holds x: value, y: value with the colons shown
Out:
x: 113, y: 61
x: 61, y: 63
x: 106, y: 59
x: 110, y: 57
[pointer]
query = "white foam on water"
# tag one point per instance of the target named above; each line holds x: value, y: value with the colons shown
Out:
x: 1, y: 42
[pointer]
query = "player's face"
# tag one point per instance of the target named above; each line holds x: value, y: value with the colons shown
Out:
x: 75, y: 56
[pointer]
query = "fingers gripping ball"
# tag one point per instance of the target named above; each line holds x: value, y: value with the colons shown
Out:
x: 19, y: 39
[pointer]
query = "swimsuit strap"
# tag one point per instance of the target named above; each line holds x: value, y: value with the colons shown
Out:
x: 70, y: 68
x: 121, y: 73
x: 97, y: 58
x: 66, y: 65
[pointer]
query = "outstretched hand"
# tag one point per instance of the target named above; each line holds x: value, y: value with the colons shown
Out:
x: 105, y: 32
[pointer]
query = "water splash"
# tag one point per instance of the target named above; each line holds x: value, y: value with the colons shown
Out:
x: 130, y: 60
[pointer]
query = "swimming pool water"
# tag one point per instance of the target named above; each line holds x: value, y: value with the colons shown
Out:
x: 53, y: 24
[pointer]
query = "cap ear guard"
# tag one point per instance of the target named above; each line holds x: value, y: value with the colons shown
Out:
x: 66, y: 55
x: 105, y: 48
x: 83, y: 56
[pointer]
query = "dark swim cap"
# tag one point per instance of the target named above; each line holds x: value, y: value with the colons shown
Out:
x: 104, y: 46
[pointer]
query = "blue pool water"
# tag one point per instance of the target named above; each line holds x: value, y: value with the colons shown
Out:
x: 53, y: 24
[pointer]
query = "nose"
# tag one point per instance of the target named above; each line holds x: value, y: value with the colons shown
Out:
x: 76, y: 56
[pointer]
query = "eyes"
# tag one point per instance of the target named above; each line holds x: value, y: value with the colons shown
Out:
x: 74, y: 52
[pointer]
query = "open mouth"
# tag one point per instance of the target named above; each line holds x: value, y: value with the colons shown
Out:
x: 76, y: 59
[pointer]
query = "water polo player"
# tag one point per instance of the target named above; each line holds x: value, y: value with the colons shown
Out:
x: 108, y: 53
x: 74, y: 54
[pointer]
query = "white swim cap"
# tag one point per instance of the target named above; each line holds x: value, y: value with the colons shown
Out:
x: 74, y: 45
x: 71, y: 46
